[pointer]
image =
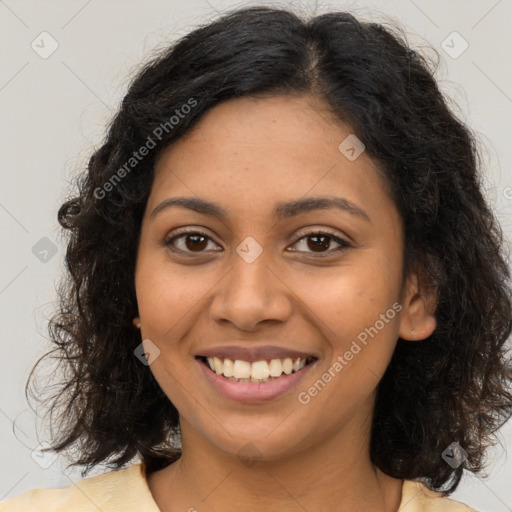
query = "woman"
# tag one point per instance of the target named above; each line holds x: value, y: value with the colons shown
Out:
x: 286, y: 290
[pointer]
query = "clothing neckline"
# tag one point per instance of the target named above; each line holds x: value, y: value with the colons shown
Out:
x: 410, y: 489
x: 140, y: 469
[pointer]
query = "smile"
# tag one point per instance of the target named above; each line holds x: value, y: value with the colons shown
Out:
x: 257, y: 371
x: 256, y: 381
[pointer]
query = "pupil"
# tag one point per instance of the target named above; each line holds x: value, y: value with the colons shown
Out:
x: 317, y: 245
x: 195, y: 245
x: 322, y: 242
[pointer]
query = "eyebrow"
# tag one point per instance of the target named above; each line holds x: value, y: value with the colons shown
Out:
x: 281, y: 211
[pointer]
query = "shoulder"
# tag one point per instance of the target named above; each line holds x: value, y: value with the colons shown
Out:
x: 417, y: 497
x: 124, y: 489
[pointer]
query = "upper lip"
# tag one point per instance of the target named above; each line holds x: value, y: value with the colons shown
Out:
x: 251, y: 354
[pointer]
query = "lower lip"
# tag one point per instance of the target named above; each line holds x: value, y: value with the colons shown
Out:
x: 254, y: 392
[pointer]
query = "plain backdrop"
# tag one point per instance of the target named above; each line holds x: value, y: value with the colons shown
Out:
x: 64, y: 68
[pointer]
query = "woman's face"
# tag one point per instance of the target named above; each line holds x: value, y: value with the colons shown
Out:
x: 264, y: 274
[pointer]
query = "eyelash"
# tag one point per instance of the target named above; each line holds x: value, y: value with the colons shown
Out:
x: 343, y: 243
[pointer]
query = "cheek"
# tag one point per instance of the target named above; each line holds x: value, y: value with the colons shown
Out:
x: 349, y: 295
x: 353, y: 307
x: 166, y: 301
x: 166, y: 296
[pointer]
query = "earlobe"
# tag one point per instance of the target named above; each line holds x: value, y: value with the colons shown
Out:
x: 136, y: 322
x: 418, y: 319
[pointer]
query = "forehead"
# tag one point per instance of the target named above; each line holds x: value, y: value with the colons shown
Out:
x: 260, y: 120
x: 256, y: 152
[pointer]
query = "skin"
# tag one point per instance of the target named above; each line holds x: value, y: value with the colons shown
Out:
x: 247, y: 155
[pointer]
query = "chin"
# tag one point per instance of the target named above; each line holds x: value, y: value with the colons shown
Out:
x: 250, y: 444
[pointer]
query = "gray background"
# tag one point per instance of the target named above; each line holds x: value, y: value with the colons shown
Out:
x: 54, y: 112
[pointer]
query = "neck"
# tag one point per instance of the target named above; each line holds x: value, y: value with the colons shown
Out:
x: 330, y: 476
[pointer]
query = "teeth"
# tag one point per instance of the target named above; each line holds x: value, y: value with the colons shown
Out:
x: 287, y: 366
x: 218, y: 366
x: 242, y: 369
x: 258, y: 371
x: 276, y: 368
x: 228, y: 368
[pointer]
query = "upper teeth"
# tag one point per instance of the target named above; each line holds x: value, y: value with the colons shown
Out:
x: 256, y: 370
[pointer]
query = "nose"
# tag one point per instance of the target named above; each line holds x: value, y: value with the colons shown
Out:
x: 250, y: 294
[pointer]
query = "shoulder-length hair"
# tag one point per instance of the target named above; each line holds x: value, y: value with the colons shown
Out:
x: 451, y: 387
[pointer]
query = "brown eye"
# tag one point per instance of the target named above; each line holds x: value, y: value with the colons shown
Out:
x: 320, y: 241
x: 190, y: 241
x: 316, y: 242
x: 195, y: 242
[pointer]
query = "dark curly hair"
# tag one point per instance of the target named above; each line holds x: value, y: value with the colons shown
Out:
x: 452, y: 387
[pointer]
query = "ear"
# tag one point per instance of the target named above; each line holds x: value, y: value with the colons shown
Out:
x: 417, y: 319
x: 136, y: 322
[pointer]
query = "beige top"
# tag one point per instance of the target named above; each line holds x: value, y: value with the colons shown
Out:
x: 127, y: 490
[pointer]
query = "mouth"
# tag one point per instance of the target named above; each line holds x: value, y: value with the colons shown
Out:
x: 256, y: 372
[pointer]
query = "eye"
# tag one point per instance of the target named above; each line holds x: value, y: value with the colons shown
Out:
x: 192, y: 241
x: 321, y: 240
x: 196, y: 241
